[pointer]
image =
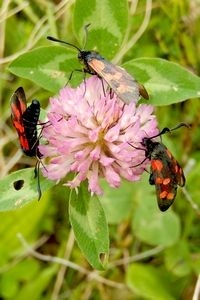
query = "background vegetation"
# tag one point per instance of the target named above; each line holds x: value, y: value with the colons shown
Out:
x: 153, y: 255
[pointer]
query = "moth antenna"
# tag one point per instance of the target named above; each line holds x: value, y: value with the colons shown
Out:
x: 163, y: 131
x: 166, y: 129
x: 51, y: 38
x: 180, y: 125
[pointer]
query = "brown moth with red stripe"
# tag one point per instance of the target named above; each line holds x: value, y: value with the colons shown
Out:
x: 166, y: 173
x: 119, y: 80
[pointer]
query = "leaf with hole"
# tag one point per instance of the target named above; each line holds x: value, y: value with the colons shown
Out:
x: 20, y: 188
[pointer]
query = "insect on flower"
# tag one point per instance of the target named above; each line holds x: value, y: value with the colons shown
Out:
x: 118, y: 79
x: 88, y: 137
x: 25, y: 120
x: 166, y: 173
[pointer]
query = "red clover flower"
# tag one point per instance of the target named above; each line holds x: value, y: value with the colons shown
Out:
x: 90, y: 134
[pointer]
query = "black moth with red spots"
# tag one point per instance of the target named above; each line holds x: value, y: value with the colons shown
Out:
x: 25, y: 120
x: 166, y: 173
x: 118, y: 79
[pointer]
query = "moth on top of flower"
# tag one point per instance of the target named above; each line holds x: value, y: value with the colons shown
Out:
x: 119, y: 80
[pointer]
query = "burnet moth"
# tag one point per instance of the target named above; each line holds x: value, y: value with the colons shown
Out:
x: 118, y: 79
x: 166, y: 173
x: 25, y: 120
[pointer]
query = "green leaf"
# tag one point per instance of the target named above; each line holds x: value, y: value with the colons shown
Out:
x: 155, y: 227
x: 193, y: 182
x: 30, y: 221
x: 24, y: 271
x: 177, y: 259
x: 166, y: 82
x: 117, y: 202
x: 48, y: 67
x: 88, y: 220
x: 149, y: 223
x: 20, y: 188
x: 148, y: 282
x: 108, y: 27
x: 8, y: 287
x: 36, y: 288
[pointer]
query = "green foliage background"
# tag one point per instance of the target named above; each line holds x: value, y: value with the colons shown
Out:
x: 153, y: 255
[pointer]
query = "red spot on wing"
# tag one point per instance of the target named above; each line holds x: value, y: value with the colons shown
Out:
x: 24, y: 142
x: 166, y: 181
x: 170, y: 196
x: 18, y: 104
x: 166, y: 173
x: 156, y: 165
x: 18, y: 107
x: 163, y: 194
x: 158, y: 180
x: 166, y: 195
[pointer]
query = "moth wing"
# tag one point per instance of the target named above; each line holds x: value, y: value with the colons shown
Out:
x: 18, y: 107
x: 119, y: 80
x: 30, y: 121
x: 165, y: 190
x: 18, y: 104
x: 167, y: 178
x: 176, y: 169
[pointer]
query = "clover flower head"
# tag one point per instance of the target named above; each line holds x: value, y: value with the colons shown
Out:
x: 94, y: 135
